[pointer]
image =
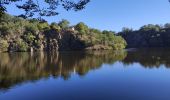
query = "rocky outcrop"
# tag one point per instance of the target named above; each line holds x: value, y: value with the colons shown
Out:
x: 70, y: 41
x: 64, y: 40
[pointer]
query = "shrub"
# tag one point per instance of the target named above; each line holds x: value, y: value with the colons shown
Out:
x: 29, y: 38
x: 119, y: 43
x: 3, y: 45
x: 22, y: 46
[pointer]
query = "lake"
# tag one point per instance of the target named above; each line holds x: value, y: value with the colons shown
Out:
x: 141, y: 74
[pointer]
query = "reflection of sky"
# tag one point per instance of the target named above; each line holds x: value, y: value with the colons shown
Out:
x: 115, y: 14
x: 109, y: 82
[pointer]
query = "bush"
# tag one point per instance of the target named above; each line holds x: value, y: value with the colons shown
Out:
x: 3, y: 45
x: 29, y: 38
x: 82, y: 28
x: 22, y: 46
x: 64, y: 24
x: 55, y: 26
x: 31, y: 28
x: 119, y: 43
x: 43, y: 26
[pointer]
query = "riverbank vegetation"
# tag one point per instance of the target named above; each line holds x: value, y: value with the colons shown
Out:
x: 18, y: 34
x: 17, y: 68
x: 147, y: 36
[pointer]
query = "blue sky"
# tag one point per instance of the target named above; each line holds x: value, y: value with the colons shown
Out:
x: 115, y: 14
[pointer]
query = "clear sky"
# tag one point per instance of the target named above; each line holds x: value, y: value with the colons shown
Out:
x: 115, y: 14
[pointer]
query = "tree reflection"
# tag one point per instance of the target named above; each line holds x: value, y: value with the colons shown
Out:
x: 16, y: 68
x: 149, y: 58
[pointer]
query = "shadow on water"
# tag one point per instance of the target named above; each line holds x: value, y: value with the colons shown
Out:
x: 16, y: 68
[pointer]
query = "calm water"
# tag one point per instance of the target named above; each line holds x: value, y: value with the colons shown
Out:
x: 125, y: 75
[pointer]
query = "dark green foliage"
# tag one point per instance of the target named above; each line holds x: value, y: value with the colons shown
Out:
x: 55, y: 26
x: 43, y: 26
x: 34, y: 8
x: 150, y: 27
x: 64, y: 24
x: 29, y: 38
x: 32, y: 28
x: 148, y: 36
x: 126, y: 30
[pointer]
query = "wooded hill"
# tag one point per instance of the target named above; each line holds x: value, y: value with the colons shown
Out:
x: 18, y: 34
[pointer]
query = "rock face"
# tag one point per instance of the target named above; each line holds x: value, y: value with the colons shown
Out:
x: 63, y: 41
x: 70, y: 41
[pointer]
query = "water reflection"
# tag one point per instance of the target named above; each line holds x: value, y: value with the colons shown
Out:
x: 149, y: 58
x: 16, y: 68
x: 20, y: 67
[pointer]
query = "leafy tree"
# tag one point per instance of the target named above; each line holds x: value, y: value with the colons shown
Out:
x: 167, y: 25
x: 43, y: 26
x: 82, y: 28
x: 5, y: 30
x: 55, y: 26
x: 29, y: 38
x: 119, y: 43
x: 3, y: 45
x: 150, y: 27
x: 33, y: 8
x: 126, y: 30
x: 32, y: 28
x: 64, y: 23
x: 22, y: 46
x: 92, y: 30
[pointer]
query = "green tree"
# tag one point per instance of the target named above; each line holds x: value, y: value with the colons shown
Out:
x: 22, y: 46
x: 55, y: 26
x: 3, y: 45
x: 126, y: 30
x: 82, y: 28
x: 35, y: 7
x: 64, y: 23
x: 119, y: 43
x: 150, y: 27
x: 43, y: 26
x: 31, y: 28
x: 29, y: 38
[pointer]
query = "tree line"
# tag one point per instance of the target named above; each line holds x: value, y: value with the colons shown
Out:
x: 147, y: 36
x: 18, y: 34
